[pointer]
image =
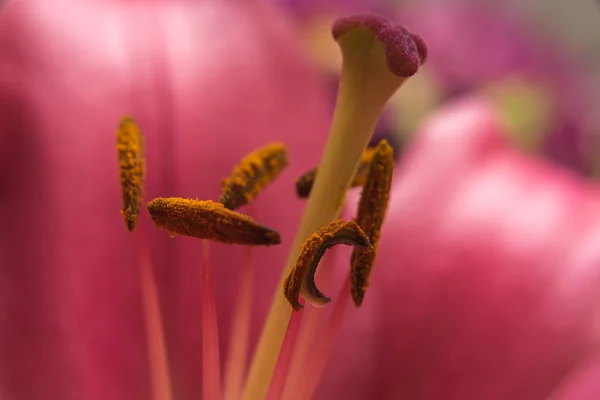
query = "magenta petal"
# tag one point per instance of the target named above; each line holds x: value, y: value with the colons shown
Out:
x: 487, y: 280
x: 473, y: 45
x: 207, y: 82
x: 494, y: 284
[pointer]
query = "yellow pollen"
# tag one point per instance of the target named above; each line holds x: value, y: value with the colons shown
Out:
x: 205, y: 219
x: 301, y: 279
x: 253, y: 174
x: 132, y: 166
x: 371, y: 214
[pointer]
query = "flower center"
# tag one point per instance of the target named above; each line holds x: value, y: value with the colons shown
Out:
x: 377, y: 58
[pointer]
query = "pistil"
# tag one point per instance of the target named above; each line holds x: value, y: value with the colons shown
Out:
x: 377, y: 59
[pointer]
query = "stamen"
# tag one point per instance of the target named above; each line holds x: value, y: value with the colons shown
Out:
x: 132, y: 167
x: 209, y: 220
x: 377, y: 59
x: 254, y: 172
x: 305, y: 182
x: 130, y: 146
x: 301, y: 279
x: 371, y: 214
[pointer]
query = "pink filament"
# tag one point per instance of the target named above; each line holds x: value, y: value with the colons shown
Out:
x: 325, y: 345
x: 157, y: 354
x: 240, y: 333
x: 285, y: 356
x: 211, y: 369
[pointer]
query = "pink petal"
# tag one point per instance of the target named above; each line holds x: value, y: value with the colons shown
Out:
x: 487, y: 281
x: 207, y: 82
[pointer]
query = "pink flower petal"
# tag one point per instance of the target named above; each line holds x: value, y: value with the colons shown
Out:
x: 207, y: 82
x: 487, y: 279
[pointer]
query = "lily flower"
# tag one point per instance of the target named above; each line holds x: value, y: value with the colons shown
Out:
x: 89, y: 310
x: 487, y: 280
x: 207, y: 82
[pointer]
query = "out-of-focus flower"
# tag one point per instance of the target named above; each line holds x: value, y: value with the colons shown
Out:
x: 487, y: 281
x: 207, y: 82
x: 541, y: 88
x: 306, y: 10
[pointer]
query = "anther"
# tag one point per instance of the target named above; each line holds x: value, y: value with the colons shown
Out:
x: 301, y: 280
x: 205, y: 219
x: 254, y: 172
x: 130, y: 147
x: 305, y: 182
x: 371, y: 214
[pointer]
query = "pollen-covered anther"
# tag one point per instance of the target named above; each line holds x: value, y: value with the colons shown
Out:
x: 205, y: 219
x: 305, y: 182
x: 371, y: 214
x: 253, y: 174
x: 130, y: 147
x: 301, y: 280
x: 404, y: 51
